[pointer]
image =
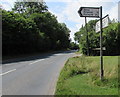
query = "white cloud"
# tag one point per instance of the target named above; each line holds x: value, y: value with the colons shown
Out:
x: 113, y: 13
x: 60, y: 17
x: 72, y: 33
x: 81, y: 1
x: 119, y: 12
x: 73, y: 30
x: 7, y: 4
x: 97, y: 1
x: 78, y: 26
x: 70, y: 12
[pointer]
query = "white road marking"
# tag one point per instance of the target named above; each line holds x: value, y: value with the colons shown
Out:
x: 58, y: 54
x: 7, y: 72
x: 36, y: 61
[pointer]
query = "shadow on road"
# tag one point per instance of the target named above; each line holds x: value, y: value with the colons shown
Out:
x: 35, y: 57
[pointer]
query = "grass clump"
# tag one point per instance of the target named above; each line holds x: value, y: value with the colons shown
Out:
x: 73, y: 68
x: 81, y: 76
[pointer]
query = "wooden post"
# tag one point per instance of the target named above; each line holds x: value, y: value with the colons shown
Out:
x: 101, y: 49
x: 88, y: 53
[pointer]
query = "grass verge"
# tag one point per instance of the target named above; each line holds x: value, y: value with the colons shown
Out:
x: 80, y: 76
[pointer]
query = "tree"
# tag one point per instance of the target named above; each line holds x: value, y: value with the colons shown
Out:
x: 111, y: 39
x: 93, y: 39
x: 27, y: 8
x: 28, y: 31
x: 19, y: 34
x: 74, y: 46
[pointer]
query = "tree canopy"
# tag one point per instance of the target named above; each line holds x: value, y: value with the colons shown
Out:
x: 30, y: 28
x: 111, y: 39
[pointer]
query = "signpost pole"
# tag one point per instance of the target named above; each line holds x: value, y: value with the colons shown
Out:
x: 87, y: 37
x: 101, y: 49
x: 97, y: 13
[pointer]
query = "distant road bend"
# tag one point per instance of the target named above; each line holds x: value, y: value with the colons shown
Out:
x: 33, y: 76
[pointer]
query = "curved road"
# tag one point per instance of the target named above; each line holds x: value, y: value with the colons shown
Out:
x: 33, y: 76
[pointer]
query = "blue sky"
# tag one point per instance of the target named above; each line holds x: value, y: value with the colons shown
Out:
x: 66, y: 10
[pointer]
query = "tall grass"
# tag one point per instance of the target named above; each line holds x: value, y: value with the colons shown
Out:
x: 89, y: 67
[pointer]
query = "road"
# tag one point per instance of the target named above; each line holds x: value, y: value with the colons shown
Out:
x: 33, y: 76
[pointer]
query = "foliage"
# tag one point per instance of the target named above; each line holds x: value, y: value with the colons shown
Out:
x: 27, y: 8
x: 80, y: 76
x: 30, y: 28
x: 74, y: 46
x: 111, y: 39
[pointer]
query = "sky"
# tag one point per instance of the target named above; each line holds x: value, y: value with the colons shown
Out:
x: 66, y: 11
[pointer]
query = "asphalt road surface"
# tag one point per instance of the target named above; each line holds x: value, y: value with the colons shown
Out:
x: 33, y: 76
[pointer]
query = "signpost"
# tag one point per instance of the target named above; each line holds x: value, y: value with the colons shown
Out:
x: 105, y: 22
x: 88, y: 53
x: 89, y: 12
x: 101, y: 49
x: 95, y: 12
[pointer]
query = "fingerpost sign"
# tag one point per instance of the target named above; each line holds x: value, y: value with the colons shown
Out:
x: 105, y: 23
x: 95, y: 12
x: 89, y: 12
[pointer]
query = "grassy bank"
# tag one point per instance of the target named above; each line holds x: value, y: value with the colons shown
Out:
x: 81, y: 76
